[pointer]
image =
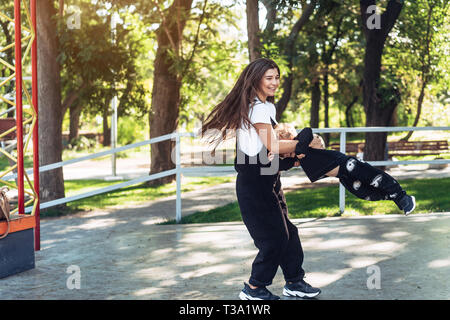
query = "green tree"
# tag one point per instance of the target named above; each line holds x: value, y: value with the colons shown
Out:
x: 99, y: 64
x: 418, y: 51
x: 49, y: 96
x: 181, y: 28
x: 289, y: 52
x: 381, y: 94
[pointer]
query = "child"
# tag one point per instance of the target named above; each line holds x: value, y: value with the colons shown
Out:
x: 360, y: 178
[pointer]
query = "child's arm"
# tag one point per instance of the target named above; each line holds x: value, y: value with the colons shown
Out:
x: 288, y: 163
x: 286, y: 131
x: 304, y: 138
x: 270, y: 141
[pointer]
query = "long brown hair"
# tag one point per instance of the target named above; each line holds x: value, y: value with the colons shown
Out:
x: 232, y: 113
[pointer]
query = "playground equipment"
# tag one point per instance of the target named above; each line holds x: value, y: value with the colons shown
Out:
x: 17, y: 249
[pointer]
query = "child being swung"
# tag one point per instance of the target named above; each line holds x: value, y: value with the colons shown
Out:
x: 360, y: 178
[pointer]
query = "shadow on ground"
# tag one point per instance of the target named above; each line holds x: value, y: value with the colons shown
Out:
x: 124, y: 255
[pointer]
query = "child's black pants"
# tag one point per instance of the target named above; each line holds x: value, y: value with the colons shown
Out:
x: 367, y: 182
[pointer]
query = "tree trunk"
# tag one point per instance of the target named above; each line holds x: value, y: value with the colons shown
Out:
x: 70, y: 98
x: 327, y: 58
x: 253, y: 29
x: 106, y: 128
x: 315, y: 103
x: 164, y: 117
x: 326, y: 104
x: 375, y: 146
x: 164, y: 113
x: 74, y: 125
x: 49, y: 93
x: 419, y: 111
x: 426, y: 64
x: 378, y: 111
x: 348, y: 112
x: 271, y: 15
x: 289, y: 52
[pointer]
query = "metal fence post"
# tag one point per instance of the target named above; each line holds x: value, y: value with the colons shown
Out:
x: 341, y: 187
x: 114, y: 135
x: 178, y: 176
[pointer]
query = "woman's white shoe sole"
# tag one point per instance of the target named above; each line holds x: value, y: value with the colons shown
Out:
x: 299, y: 294
x: 244, y: 296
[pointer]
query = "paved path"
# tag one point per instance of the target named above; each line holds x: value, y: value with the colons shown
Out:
x: 122, y: 254
x: 126, y: 256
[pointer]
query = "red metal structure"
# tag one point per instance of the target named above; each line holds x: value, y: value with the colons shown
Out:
x: 34, y: 90
x: 19, y: 103
x: 26, y: 122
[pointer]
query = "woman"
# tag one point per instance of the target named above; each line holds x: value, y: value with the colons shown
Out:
x: 248, y: 111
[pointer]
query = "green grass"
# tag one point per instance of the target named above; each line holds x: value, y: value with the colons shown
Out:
x: 133, y: 195
x: 4, y: 163
x: 431, y: 194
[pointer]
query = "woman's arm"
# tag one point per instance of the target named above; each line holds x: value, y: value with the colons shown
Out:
x: 270, y: 141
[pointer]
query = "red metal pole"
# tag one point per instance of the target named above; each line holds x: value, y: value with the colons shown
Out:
x: 34, y: 92
x: 18, y: 62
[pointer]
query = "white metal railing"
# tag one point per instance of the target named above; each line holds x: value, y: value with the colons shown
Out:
x: 117, y: 186
x: 224, y: 170
x: 342, y: 143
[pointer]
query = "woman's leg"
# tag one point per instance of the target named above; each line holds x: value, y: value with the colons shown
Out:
x: 292, y: 259
x: 263, y: 217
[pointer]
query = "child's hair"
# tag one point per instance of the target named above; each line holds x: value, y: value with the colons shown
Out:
x: 285, y: 131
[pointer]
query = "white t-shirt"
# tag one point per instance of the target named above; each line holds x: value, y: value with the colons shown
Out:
x: 248, y: 140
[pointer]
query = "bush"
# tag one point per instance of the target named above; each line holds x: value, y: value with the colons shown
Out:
x: 130, y: 130
x: 81, y: 143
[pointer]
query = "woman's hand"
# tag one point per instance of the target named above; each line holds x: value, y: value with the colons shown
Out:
x: 288, y: 155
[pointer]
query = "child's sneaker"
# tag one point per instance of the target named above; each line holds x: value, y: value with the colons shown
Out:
x: 260, y: 293
x: 407, y: 204
x: 300, y: 289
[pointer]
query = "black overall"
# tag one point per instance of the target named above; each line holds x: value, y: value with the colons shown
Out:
x: 265, y: 214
